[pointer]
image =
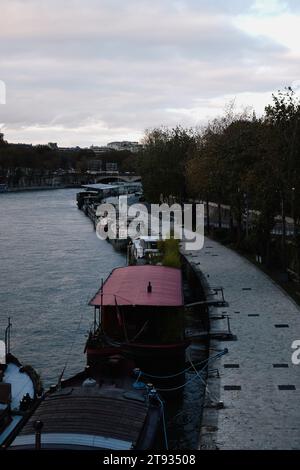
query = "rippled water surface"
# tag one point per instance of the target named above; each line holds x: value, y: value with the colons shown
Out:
x: 51, y: 265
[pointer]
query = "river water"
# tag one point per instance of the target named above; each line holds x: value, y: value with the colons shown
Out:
x: 51, y: 265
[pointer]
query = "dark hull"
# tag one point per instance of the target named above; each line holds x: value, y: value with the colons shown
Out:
x: 140, y: 351
x: 157, y: 362
x: 119, y: 244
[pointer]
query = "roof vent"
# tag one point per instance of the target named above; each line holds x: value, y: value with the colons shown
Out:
x: 149, y: 288
x: 89, y: 383
x: 38, y: 425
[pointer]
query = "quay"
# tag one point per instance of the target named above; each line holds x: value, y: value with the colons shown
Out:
x: 252, y: 399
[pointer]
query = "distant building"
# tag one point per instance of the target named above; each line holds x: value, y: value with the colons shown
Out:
x: 94, y: 165
x: 99, y: 151
x: 69, y: 149
x: 22, y: 146
x: 111, y: 166
x: 125, y: 145
x: 54, y: 146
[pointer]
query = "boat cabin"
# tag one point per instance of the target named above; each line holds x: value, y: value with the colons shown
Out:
x: 141, y: 304
x: 145, y: 247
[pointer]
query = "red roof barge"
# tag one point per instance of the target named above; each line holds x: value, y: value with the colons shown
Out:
x: 129, y: 286
x: 139, y: 312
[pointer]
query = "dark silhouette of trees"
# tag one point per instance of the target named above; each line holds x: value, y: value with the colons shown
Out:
x: 162, y: 162
x: 250, y: 164
x: 18, y: 160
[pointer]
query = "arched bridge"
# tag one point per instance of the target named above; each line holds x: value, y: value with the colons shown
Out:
x: 109, y: 177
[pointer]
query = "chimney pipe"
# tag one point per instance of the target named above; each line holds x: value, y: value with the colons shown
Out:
x: 38, y: 430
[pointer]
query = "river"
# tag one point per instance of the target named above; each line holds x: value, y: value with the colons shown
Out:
x: 51, y: 266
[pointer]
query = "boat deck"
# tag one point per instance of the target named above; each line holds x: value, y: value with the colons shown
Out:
x: 88, y: 417
x: 92, y: 410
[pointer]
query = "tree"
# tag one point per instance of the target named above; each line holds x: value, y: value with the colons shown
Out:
x: 162, y: 162
x: 218, y: 169
x: 204, y: 171
x: 283, y: 117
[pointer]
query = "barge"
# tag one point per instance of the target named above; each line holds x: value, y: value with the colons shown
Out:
x: 97, y: 409
x: 96, y: 194
x: 139, y: 311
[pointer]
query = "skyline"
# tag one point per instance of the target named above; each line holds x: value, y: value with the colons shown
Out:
x: 88, y: 73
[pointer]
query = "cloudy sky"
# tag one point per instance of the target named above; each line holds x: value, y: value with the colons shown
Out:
x: 83, y: 72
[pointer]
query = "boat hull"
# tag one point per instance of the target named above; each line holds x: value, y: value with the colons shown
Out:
x: 160, y: 364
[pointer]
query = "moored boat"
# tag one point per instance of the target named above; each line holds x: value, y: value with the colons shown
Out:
x: 97, y: 409
x: 3, y: 188
x: 20, y: 389
x: 139, y: 310
x: 145, y: 250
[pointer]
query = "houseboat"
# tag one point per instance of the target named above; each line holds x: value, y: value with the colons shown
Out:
x: 97, y: 194
x: 144, y: 250
x: 139, y: 310
x: 112, y: 223
x: 3, y: 188
x: 103, y: 409
x: 20, y: 389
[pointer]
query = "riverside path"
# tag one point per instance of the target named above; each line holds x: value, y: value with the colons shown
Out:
x: 253, y: 399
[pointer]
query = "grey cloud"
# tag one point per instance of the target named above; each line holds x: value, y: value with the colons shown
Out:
x: 124, y: 65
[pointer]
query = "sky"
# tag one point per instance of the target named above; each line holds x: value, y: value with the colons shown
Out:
x: 87, y: 72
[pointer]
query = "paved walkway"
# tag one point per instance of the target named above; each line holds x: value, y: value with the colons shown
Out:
x: 265, y: 412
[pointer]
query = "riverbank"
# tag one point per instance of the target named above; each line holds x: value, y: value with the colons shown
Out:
x: 251, y: 402
x: 284, y: 280
x: 38, y: 188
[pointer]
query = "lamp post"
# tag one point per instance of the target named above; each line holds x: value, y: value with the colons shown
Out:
x: 293, y: 212
x: 246, y: 200
x: 283, y: 228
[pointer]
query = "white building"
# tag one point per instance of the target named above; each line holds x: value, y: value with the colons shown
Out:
x: 125, y: 145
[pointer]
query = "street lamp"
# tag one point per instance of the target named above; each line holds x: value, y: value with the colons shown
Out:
x: 293, y: 211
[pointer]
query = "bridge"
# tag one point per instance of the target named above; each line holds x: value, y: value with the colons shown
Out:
x: 114, y: 176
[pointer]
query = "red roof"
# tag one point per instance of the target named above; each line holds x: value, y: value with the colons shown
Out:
x: 128, y: 286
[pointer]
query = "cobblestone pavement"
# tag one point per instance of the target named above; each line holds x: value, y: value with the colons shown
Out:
x: 263, y: 411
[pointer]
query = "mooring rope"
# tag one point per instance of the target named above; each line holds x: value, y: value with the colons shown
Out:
x: 193, y: 366
x: 174, y: 389
x: 206, y: 361
x: 70, y: 350
x: 164, y: 422
x: 202, y: 380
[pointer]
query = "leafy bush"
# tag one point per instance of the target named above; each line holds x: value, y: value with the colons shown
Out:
x: 171, y: 254
x: 172, y: 260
